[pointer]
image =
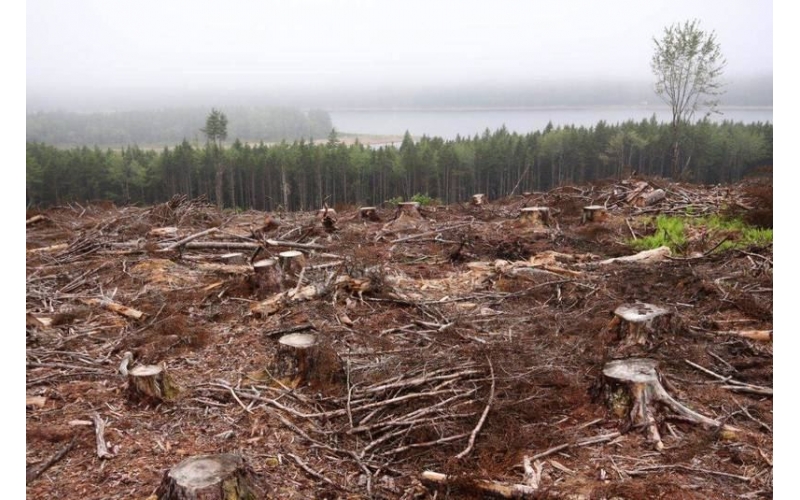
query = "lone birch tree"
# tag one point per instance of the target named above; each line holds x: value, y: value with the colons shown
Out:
x: 688, y: 66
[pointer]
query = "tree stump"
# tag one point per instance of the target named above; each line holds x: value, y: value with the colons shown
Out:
x: 267, y: 275
x: 633, y: 386
x: 478, y: 199
x: 369, y: 213
x: 409, y: 208
x: 594, y: 213
x: 210, y: 477
x: 634, y: 324
x: 151, y: 383
x: 291, y: 263
x: 535, y: 216
x: 296, y: 358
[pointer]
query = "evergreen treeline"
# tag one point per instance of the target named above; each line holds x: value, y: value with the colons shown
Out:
x: 301, y: 175
x: 171, y: 126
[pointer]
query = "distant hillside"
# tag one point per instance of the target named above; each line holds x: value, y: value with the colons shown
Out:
x: 171, y: 126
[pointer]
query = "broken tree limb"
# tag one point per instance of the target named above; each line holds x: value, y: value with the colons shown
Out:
x: 99, y: 430
x: 645, y: 257
x: 758, y: 335
x: 189, y: 238
x: 292, y: 244
x: 115, y: 307
x: 733, y: 385
x: 477, y: 428
x: 34, y: 219
x: 583, y: 442
x: 209, y: 477
x: 503, y: 490
x: 35, y: 472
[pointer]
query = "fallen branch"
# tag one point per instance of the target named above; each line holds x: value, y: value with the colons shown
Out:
x: 293, y: 244
x: 34, y: 219
x: 115, y: 307
x: 583, y: 442
x: 493, y: 487
x: 733, y: 385
x: 483, y: 417
x: 33, y: 473
x: 189, y: 238
x: 99, y: 429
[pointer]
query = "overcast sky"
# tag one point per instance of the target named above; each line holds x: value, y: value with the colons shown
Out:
x: 102, y: 45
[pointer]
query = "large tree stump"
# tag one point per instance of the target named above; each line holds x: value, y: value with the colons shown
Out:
x: 634, y: 324
x: 594, y: 213
x: 633, y: 387
x: 409, y: 209
x: 295, y: 359
x: 267, y: 276
x: 210, y: 477
x: 535, y: 216
x: 369, y: 213
x: 478, y: 199
x: 151, y: 383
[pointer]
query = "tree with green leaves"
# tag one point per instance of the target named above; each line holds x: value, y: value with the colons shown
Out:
x: 216, y: 131
x: 688, y: 66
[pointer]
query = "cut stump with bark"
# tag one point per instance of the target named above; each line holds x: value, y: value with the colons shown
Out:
x: 209, y: 477
x: 296, y: 358
x: 535, y: 216
x: 152, y: 383
x: 633, y: 386
x: 267, y: 275
x: 594, y: 213
x: 478, y: 199
x: 635, y: 324
x: 291, y: 264
x: 409, y: 208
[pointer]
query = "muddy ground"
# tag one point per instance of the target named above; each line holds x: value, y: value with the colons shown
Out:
x: 459, y: 342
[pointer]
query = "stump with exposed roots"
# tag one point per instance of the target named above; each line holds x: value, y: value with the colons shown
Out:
x: 636, y: 324
x: 633, y: 387
x: 535, y: 216
x: 594, y: 213
x: 151, y: 383
x: 210, y: 477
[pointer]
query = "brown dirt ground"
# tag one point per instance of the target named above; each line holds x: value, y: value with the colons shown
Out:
x: 453, y: 329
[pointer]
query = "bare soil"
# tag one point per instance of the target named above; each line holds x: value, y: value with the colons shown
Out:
x: 463, y: 326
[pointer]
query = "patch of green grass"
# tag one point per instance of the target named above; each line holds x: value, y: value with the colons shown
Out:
x: 672, y: 232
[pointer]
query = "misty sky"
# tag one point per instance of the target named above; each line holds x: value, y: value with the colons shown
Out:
x: 81, y: 45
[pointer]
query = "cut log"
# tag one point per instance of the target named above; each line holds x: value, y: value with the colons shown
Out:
x: 478, y: 199
x: 594, y: 213
x: 151, y: 383
x: 369, y: 213
x: 633, y: 386
x: 493, y: 488
x: 634, y: 324
x: 651, y: 198
x: 34, y: 219
x: 210, y: 477
x: 645, y: 257
x: 535, y: 216
x: 115, y: 307
x: 163, y: 231
x: 295, y: 359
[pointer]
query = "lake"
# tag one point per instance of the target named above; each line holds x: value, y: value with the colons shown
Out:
x: 449, y: 123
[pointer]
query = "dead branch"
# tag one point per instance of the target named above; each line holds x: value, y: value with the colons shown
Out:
x: 114, y: 307
x: 189, y: 238
x: 99, y: 429
x: 483, y: 417
x: 504, y: 490
x: 35, y: 472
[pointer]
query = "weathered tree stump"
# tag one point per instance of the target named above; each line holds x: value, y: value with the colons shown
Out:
x: 151, y: 383
x: 535, y: 216
x: 651, y: 198
x: 409, y: 208
x: 478, y: 199
x: 594, y: 213
x: 369, y: 213
x: 296, y: 358
x: 326, y: 213
x: 633, y: 386
x: 636, y: 323
x: 210, y: 477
